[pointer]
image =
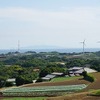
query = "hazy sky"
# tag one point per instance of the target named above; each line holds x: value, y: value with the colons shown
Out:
x: 63, y: 23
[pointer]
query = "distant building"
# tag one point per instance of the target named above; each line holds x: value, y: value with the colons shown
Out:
x: 79, y: 70
x: 52, y: 75
x: 48, y: 77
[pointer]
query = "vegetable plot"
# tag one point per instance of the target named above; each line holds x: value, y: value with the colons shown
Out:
x: 42, y: 91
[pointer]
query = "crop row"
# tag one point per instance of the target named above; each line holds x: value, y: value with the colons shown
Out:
x: 43, y: 90
x: 46, y: 88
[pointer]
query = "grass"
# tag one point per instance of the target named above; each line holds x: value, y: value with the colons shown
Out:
x: 26, y: 98
x: 60, y: 79
x: 95, y: 93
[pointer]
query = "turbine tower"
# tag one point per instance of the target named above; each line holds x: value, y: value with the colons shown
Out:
x: 83, y: 46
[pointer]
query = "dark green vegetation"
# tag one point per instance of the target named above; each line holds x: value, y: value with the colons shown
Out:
x: 26, y: 67
x: 88, y: 77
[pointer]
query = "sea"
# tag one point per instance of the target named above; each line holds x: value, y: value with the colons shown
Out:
x: 67, y: 50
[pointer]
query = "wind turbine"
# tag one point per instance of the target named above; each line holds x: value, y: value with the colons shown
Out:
x: 83, y: 45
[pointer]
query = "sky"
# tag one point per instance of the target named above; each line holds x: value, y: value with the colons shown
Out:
x: 61, y: 23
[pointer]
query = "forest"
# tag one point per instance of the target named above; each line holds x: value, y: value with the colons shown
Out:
x: 29, y: 66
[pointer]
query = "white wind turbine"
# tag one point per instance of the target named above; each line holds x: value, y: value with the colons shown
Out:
x: 83, y: 46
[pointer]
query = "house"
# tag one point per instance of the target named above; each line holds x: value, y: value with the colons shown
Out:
x: 57, y: 74
x: 51, y: 76
x: 74, y: 70
x: 48, y: 77
x: 79, y: 70
x: 88, y: 70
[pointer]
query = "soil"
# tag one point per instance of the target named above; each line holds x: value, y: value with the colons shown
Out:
x: 76, y: 96
x: 69, y: 82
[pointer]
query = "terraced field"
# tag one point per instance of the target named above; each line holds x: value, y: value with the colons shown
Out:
x: 83, y: 95
x: 42, y: 91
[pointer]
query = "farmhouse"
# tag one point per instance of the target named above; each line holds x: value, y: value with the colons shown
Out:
x: 51, y: 76
x: 57, y: 74
x: 48, y: 77
x: 79, y: 70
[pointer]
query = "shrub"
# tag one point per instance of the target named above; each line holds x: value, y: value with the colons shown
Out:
x: 8, y: 84
x: 39, y: 80
x: 84, y: 73
x: 88, y: 77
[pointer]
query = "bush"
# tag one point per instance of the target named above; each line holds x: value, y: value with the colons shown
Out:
x: 22, y: 80
x: 8, y: 84
x: 39, y: 80
x: 88, y: 77
x: 84, y: 73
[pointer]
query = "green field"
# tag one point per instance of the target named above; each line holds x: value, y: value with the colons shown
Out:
x: 59, y: 79
x: 95, y: 93
x: 41, y: 91
x: 26, y: 98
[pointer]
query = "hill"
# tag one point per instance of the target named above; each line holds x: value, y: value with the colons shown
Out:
x: 76, y: 96
x: 83, y: 95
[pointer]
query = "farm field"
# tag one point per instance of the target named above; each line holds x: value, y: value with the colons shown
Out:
x: 79, y: 80
x: 60, y: 79
x: 76, y: 96
x: 83, y: 95
x: 42, y: 91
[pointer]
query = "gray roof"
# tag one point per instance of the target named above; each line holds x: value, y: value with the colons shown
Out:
x: 88, y: 70
x: 75, y: 68
x: 57, y: 73
x: 45, y: 78
x: 50, y: 76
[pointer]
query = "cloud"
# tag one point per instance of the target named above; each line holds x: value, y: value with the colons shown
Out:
x: 68, y: 14
x: 61, y: 27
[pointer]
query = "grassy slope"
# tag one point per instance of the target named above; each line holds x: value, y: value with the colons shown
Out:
x: 59, y: 79
x: 84, y: 95
x: 95, y: 93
